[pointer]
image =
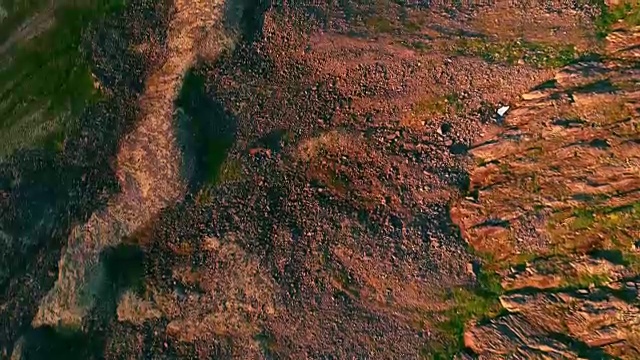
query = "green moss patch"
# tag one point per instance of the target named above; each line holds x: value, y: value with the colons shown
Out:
x: 628, y: 12
x: 512, y: 52
x: 479, y: 303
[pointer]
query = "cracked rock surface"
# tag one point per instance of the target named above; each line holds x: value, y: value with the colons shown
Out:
x: 557, y: 199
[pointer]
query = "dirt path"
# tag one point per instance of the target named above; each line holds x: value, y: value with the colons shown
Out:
x: 148, y: 169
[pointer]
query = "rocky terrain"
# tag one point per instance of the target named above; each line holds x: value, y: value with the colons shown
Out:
x: 555, y: 200
x: 322, y: 180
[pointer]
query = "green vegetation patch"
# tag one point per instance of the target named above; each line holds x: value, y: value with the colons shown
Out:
x: 417, y: 45
x: 612, y: 227
x: 267, y: 342
x: 627, y: 12
x: 230, y: 171
x: 585, y: 280
x: 479, y: 303
x: 13, y: 13
x: 439, y: 105
x: 599, y: 228
x: 208, y: 134
x: 379, y: 24
x: 48, y: 82
x: 412, y: 26
x: 511, y: 52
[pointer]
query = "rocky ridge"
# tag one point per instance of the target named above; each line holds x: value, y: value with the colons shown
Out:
x: 555, y: 200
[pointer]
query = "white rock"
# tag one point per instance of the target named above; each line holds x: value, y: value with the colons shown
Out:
x: 503, y: 110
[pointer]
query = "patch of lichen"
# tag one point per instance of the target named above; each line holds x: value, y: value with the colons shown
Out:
x: 626, y: 12
x: 512, y: 52
x: 598, y: 228
x: 467, y: 304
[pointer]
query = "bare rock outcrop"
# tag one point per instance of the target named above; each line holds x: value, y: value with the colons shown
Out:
x: 556, y: 199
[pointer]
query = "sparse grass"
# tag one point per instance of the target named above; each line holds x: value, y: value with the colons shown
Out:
x: 629, y: 85
x: 631, y: 259
x: 230, y: 171
x: 417, y: 45
x: 468, y: 304
x: 583, y: 219
x: 535, y: 153
x: 379, y: 24
x: 585, y: 280
x: 439, y: 105
x: 596, y: 227
x: 534, y: 184
x: 454, y: 102
x: 412, y: 26
x: 267, y: 342
x: 48, y: 82
x: 480, y: 161
x: 519, y: 259
x: 15, y: 13
x: 529, y: 182
x: 627, y: 12
x: 511, y: 52
x: 430, y: 106
x: 600, y: 112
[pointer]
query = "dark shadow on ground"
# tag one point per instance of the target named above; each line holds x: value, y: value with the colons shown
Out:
x: 44, y: 193
x: 205, y: 131
x: 48, y: 343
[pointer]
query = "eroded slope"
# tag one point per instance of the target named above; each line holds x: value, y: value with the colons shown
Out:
x: 322, y: 153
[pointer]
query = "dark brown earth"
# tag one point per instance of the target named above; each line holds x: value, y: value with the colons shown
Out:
x: 340, y: 162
